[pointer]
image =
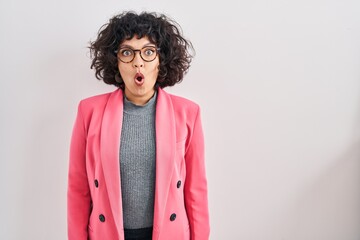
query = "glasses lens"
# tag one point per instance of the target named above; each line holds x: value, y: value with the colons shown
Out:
x: 148, y: 53
x: 126, y: 54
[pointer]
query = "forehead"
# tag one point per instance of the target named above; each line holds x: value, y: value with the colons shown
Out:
x: 137, y: 43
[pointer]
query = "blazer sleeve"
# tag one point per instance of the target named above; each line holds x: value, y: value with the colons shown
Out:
x: 195, y: 186
x: 78, y: 192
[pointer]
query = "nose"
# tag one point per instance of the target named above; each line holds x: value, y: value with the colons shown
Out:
x: 138, y: 61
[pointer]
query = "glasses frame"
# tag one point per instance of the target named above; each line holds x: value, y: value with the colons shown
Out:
x: 137, y: 50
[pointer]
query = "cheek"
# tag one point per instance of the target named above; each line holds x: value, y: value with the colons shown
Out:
x: 122, y: 69
x: 156, y: 70
x: 157, y: 66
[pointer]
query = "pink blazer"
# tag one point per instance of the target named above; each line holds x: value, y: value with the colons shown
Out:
x: 94, y: 202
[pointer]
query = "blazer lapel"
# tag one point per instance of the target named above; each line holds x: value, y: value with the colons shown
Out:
x: 165, y: 149
x: 165, y: 153
x: 109, y: 148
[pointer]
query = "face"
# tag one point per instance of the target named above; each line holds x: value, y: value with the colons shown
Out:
x: 139, y: 92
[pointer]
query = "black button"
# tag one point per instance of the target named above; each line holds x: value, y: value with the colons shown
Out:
x: 172, y: 217
x: 96, y: 183
x: 178, y: 184
x: 102, y: 218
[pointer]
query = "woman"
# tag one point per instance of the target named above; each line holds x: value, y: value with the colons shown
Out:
x: 136, y: 168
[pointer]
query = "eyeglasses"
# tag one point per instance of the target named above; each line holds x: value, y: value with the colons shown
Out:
x: 147, y: 53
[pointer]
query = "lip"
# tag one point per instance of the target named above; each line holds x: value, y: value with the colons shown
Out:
x: 137, y: 82
x: 139, y: 74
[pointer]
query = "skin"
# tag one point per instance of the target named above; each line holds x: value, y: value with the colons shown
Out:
x: 139, y: 95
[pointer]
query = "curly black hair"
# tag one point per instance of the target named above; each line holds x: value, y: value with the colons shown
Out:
x: 162, y: 31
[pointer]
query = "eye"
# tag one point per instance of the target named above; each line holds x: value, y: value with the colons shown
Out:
x: 149, y: 51
x: 126, y: 52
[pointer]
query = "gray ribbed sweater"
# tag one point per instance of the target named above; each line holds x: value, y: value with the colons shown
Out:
x: 137, y: 163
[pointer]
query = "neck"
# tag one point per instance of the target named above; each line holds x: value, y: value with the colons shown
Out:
x: 139, y: 100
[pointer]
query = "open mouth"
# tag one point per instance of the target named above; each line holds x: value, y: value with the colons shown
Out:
x: 139, y: 78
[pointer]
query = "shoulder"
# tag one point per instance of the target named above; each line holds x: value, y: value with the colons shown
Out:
x: 95, y: 99
x: 184, y: 105
x: 179, y: 101
x: 94, y: 102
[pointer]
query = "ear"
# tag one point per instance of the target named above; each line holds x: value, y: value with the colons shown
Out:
x: 118, y: 78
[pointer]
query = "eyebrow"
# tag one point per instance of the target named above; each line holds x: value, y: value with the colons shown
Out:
x: 125, y: 45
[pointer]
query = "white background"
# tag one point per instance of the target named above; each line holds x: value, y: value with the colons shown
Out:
x: 279, y: 87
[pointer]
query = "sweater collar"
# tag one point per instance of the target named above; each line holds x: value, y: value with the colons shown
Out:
x: 148, y: 107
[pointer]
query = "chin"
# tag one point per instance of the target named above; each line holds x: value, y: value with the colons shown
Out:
x: 140, y: 91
